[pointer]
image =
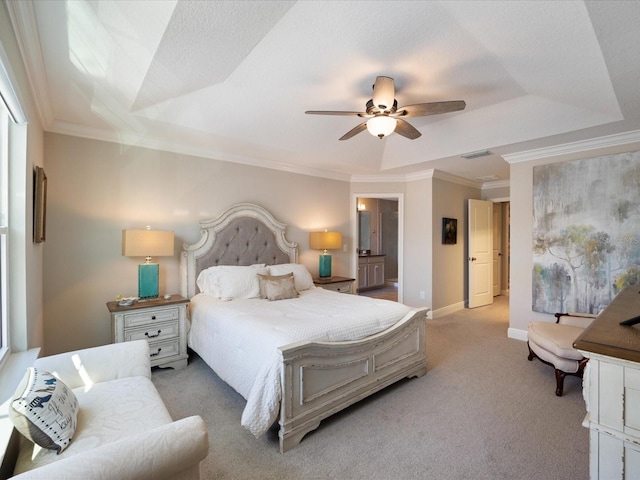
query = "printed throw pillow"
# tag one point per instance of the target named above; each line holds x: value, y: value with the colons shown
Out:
x: 44, y: 410
x: 280, y: 287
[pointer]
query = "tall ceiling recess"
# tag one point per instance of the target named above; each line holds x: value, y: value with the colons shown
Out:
x: 384, y: 117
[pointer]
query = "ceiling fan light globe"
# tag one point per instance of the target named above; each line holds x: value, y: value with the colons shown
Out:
x: 381, y: 126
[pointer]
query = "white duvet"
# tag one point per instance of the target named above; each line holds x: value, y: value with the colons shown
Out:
x: 239, y: 339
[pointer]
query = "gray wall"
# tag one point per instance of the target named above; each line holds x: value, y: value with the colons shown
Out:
x: 450, y: 266
x: 96, y: 189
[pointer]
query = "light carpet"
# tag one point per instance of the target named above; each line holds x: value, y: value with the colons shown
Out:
x: 482, y: 411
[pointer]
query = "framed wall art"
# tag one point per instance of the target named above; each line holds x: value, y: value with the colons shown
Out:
x: 449, y: 231
x: 39, y: 205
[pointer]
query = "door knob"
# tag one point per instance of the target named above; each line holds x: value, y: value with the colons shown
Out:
x: 472, y: 259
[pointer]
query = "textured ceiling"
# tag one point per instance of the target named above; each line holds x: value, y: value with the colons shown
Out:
x: 232, y: 80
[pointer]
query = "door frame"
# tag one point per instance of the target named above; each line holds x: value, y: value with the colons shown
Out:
x: 399, y: 197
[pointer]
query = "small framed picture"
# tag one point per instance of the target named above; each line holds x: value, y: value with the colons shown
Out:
x: 39, y: 205
x: 449, y: 231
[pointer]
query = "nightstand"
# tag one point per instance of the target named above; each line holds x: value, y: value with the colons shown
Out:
x: 337, y: 284
x: 162, y: 323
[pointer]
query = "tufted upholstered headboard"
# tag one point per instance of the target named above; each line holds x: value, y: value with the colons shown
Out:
x: 242, y: 235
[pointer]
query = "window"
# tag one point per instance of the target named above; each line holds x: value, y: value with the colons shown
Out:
x: 4, y: 230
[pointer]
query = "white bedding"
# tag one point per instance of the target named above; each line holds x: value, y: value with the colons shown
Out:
x: 239, y: 339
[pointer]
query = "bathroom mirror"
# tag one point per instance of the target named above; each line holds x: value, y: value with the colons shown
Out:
x: 364, y: 231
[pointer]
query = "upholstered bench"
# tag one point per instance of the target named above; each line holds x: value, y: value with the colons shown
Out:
x: 552, y: 343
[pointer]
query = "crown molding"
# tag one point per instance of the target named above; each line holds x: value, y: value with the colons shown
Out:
x: 64, y: 128
x: 378, y: 178
x: 608, y: 141
x: 23, y: 20
x: 455, y: 179
x: 496, y: 184
x: 413, y: 177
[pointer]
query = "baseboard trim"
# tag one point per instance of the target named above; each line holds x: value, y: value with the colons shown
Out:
x: 517, y: 334
x: 441, y: 312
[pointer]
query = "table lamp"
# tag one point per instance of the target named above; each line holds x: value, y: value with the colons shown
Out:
x: 147, y: 243
x: 325, y: 241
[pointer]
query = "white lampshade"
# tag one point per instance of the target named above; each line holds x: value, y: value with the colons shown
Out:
x: 147, y: 243
x: 381, y: 126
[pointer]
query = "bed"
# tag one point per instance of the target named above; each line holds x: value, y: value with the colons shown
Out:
x: 300, y: 359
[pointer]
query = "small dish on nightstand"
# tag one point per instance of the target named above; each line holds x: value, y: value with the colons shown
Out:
x: 127, y: 301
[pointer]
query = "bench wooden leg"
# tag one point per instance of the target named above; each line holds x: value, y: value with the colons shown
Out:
x: 559, y: 382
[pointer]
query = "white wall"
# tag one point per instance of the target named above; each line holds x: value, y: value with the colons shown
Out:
x: 96, y: 189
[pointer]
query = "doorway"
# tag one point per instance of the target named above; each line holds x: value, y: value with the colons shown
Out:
x: 378, y: 233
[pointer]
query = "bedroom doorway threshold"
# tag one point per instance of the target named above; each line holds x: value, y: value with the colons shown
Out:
x: 388, y: 292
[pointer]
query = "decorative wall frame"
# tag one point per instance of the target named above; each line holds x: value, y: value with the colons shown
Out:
x: 449, y: 231
x: 585, y: 232
x: 39, y: 205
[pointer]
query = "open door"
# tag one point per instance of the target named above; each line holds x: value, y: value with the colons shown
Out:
x: 497, y: 249
x: 480, y: 241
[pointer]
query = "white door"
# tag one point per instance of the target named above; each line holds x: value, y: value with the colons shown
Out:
x: 497, y: 248
x: 480, y: 259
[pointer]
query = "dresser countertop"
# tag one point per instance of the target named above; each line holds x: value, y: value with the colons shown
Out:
x: 607, y: 337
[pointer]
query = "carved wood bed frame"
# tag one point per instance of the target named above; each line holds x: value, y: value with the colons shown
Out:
x: 318, y: 378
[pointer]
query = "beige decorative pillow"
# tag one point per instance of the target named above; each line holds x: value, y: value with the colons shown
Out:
x: 277, y: 287
x: 44, y: 410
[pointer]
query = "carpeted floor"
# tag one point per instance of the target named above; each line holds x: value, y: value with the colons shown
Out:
x: 482, y: 411
x: 386, y: 293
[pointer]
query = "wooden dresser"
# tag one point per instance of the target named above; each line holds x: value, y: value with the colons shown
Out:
x: 612, y: 389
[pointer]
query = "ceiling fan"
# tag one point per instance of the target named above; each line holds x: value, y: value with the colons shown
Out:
x: 384, y: 116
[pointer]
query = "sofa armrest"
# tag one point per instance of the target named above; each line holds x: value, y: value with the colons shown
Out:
x: 582, y: 320
x: 161, y: 453
x: 99, y: 364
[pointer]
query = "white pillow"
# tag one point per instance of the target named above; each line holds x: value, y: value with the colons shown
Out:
x: 229, y: 282
x: 44, y: 410
x: 301, y: 276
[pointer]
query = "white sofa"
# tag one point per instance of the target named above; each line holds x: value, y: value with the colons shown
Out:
x: 123, y: 430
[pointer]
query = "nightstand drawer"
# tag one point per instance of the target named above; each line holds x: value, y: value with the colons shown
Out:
x: 152, y: 316
x: 153, y: 332
x: 343, y: 287
x: 160, y: 350
x: 161, y: 322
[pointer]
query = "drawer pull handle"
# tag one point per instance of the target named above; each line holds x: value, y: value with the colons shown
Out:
x: 156, y: 354
x: 153, y: 336
x: 153, y: 317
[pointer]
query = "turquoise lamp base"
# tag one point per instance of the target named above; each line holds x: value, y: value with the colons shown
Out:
x: 148, y: 274
x: 324, y: 270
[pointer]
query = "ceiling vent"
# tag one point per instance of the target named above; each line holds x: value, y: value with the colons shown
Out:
x: 481, y: 153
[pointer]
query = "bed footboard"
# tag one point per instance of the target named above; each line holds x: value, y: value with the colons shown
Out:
x: 320, y: 379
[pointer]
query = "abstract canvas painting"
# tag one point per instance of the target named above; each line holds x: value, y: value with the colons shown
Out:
x: 586, y: 232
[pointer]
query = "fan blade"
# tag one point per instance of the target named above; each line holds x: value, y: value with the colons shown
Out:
x: 406, y: 129
x: 354, y: 131
x: 383, y: 93
x: 323, y: 112
x: 433, y: 108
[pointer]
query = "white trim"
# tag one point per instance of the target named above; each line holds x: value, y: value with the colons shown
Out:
x: 496, y: 184
x: 449, y: 309
x: 414, y: 177
x: 8, y: 93
x: 24, y: 23
x: 517, y: 334
x: 608, y: 141
x: 12, y: 372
